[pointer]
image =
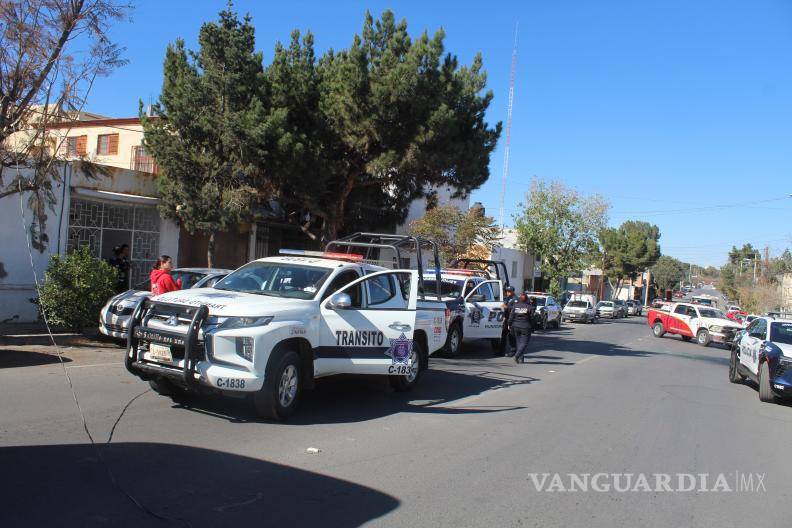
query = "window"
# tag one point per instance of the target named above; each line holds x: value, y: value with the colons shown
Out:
x: 143, y: 162
x: 107, y: 144
x: 76, y: 145
x: 380, y: 289
x: 681, y: 310
x: 448, y: 287
x: 759, y: 330
x: 781, y: 333
x: 276, y: 279
x: 341, y: 280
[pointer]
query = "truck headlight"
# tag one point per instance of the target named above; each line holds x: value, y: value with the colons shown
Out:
x: 245, y: 322
x: 785, y: 360
x: 715, y: 328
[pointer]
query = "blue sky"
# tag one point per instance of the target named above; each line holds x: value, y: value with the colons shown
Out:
x: 678, y: 112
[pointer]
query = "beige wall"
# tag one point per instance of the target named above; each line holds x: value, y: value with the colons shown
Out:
x: 130, y: 134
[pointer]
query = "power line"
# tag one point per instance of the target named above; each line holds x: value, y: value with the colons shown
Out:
x: 700, y: 209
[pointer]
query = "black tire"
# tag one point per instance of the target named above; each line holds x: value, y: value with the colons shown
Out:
x: 658, y: 330
x: 734, y: 371
x: 686, y: 338
x: 703, y: 337
x: 765, y: 391
x: 558, y: 322
x: 495, y: 344
x: 543, y: 323
x: 454, y: 332
x: 280, y: 394
x: 405, y: 383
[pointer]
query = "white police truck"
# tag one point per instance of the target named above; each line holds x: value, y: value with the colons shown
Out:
x: 478, y: 287
x: 273, y: 326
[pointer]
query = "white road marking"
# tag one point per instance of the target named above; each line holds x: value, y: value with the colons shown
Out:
x: 585, y: 359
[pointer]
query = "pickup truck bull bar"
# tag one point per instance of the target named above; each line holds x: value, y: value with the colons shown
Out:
x: 372, y: 242
x: 137, y: 330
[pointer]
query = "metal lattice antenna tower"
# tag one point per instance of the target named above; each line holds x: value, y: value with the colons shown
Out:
x: 507, y: 149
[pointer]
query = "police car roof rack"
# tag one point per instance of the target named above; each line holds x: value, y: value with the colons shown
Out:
x: 397, y: 244
x: 498, y: 265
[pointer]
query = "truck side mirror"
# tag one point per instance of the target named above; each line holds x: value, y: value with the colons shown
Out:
x: 339, y: 301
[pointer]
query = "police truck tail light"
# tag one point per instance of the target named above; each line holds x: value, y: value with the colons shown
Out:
x: 244, y: 348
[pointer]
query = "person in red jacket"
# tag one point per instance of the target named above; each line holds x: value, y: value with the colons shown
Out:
x: 161, y: 280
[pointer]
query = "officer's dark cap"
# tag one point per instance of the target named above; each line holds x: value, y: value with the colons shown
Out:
x: 509, y: 288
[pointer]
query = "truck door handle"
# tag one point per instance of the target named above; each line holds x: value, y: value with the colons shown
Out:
x: 400, y: 327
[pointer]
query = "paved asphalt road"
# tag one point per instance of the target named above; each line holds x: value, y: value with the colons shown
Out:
x: 602, y: 398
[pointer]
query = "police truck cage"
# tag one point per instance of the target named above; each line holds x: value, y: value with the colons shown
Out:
x: 403, y: 247
x: 494, y: 268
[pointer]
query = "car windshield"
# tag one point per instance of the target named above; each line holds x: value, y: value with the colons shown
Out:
x: 276, y: 279
x: 188, y: 280
x: 576, y: 304
x: 781, y: 333
x: 540, y: 301
x: 605, y: 305
x: 710, y: 312
x: 448, y: 287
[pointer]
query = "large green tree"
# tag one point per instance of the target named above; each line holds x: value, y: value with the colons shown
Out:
x: 375, y: 126
x: 629, y: 249
x: 667, y: 272
x: 458, y: 233
x: 560, y: 226
x: 213, y: 129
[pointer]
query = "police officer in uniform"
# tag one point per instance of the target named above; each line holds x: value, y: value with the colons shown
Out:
x: 521, y: 325
x: 506, y: 340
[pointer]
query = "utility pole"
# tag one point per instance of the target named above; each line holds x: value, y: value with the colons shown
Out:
x: 754, y: 259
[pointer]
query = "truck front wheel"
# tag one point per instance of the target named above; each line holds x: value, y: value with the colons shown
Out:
x: 278, y: 398
x: 406, y: 382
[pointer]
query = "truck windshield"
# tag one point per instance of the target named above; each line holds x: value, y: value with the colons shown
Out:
x: 576, y: 304
x: 781, y: 333
x: 276, y: 279
x: 709, y: 312
x: 540, y: 301
x: 448, y: 287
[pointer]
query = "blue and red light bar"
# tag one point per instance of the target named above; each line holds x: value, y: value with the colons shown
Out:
x: 350, y: 257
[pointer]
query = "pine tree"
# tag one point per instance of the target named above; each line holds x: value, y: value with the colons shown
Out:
x: 212, y: 129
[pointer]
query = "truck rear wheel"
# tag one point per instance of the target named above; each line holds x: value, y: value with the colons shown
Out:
x: 658, y: 330
x: 406, y: 382
x: 280, y: 395
x: 454, y: 339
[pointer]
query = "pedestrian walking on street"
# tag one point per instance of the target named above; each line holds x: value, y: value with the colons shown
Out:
x: 161, y: 279
x: 521, y: 325
x: 506, y: 340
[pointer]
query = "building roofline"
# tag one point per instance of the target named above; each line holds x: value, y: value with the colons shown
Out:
x: 115, y: 121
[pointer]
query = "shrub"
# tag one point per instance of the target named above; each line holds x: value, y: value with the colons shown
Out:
x: 75, y: 289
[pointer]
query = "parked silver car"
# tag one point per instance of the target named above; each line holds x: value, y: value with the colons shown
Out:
x: 634, y: 308
x: 579, y: 311
x: 621, y: 308
x: 608, y: 309
x: 114, y: 316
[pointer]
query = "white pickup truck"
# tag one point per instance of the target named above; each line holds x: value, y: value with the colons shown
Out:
x: 477, y: 286
x: 276, y: 324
